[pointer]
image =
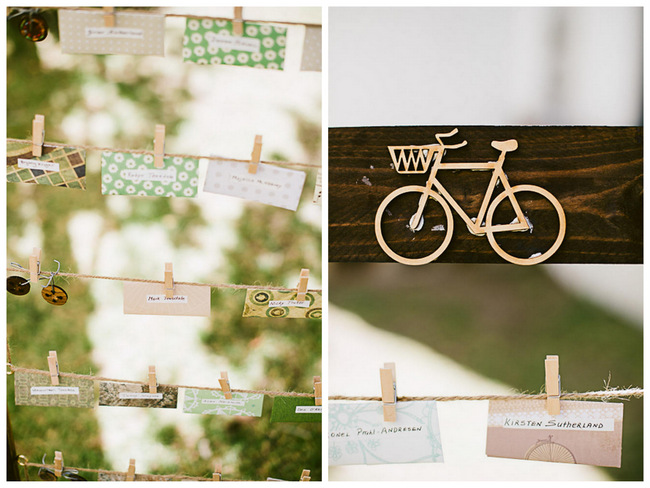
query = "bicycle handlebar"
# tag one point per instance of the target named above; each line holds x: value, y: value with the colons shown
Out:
x: 449, y: 134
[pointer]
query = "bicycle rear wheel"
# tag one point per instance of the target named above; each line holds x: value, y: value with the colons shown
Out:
x: 545, y: 217
x: 409, y: 242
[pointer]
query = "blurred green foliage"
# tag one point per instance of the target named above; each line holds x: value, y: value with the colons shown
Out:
x: 272, y: 245
x: 502, y: 321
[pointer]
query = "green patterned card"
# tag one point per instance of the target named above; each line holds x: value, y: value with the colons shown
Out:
x: 282, y: 304
x: 112, y: 476
x: 36, y: 389
x: 214, y: 402
x: 135, y: 175
x: 295, y: 409
x: 60, y: 166
x: 208, y: 41
x: 135, y: 395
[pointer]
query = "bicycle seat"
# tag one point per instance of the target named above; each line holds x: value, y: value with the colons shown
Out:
x: 505, y: 146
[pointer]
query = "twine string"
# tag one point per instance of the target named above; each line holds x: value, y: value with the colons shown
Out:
x: 171, y: 155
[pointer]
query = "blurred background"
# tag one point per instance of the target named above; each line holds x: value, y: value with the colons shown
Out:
x: 115, y: 101
x: 485, y: 329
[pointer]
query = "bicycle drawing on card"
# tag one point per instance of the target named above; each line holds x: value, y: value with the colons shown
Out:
x: 424, y: 211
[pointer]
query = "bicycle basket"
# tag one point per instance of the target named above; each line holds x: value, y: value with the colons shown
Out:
x: 411, y: 159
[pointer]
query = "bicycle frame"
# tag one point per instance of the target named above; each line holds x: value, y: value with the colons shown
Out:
x: 475, y: 227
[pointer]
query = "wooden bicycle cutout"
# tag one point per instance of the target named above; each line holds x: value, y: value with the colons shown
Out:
x: 427, y: 209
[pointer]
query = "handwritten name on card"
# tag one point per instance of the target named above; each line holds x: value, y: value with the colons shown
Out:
x: 248, y: 44
x: 271, y: 185
x: 148, y: 299
x: 359, y: 435
x: 34, y: 164
x: 583, y: 432
x: 54, y: 390
x: 113, y: 33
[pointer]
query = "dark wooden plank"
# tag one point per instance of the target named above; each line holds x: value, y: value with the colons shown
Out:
x: 595, y: 172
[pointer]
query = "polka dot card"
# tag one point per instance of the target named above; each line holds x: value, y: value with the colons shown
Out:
x: 312, y: 48
x: 208, y: 41
x: 84, y: 32
x: 271, y: 184
x: 135, y: 175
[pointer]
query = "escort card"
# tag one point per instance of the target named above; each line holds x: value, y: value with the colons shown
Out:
x: 84, y: 32
x: 583, y: 432
x: 282, y: 304
x: 134, y: 395
x: 214, y: 402
x: 37, y: 390
x: 60, y: 166
x: 295, y: 409
x: 359, y: 435
x: 149, y: 299
x: 312, y: 49
x: 318, y: 189
x: 271, y: 185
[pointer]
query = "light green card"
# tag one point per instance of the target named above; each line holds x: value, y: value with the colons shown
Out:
x: 214, y: 402
x: 36, y: 389
x: 282, y: 304
x: 208, y: 41
x: 295, y: 409
x: 135, y: 175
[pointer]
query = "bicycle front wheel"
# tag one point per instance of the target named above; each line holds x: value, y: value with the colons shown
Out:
x: 545, y: 218
x: 409, y: 242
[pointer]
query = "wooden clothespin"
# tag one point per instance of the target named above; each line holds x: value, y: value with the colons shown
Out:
x: 305, y: 475
x: 553, y: 385
x: 318, y: 391
x: 216, y: 475
x: 38, y: 135
x: 388, y: 391
x: 225, y: 385
x: 238, y: 22
x: 53, y: 365
x: 255, y: 155
x: 130, y: 473
x: 169, y: 280
x: 109, y: 16
x: 35, y: 265
x: 302, y: 285
x: 153, y: 382
x: 58, y: 463
x: 159, y: 147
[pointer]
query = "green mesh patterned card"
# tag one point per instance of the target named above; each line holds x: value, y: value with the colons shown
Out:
x: 135, y: 175
x: 295, y: 409
x: 282, y: 305
x: 208, y: 41
x: 58, y: 166
x: 214, y: 402
x: 36, y: 389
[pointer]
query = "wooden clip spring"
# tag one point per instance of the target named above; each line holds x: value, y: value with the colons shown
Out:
x: 169, y: 280
x: 35, y: 265
x: 304, y: 476
x: 318, y: 391
x: 388, y: 391
x: 553, y: 385
x: 109, y: 16
x: 225, y: 385
x: 53, y: 365
x: 216, y: 475
x: 38, y: 135
x: 130, y: 473
x: 238, y: 22
x: 255, y: 155
x: 159, y: 147
x: 58, y: 463
x: 153, y: 382
x: 302, y: 285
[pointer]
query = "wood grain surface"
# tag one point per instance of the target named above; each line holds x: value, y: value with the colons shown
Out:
x: 596, y: 173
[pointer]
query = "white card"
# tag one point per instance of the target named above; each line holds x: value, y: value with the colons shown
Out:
x: 271, y: 184
x: 318, y: 189
x: 359, y: 435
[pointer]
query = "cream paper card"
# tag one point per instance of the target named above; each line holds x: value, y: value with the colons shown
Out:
x: 149, y: 299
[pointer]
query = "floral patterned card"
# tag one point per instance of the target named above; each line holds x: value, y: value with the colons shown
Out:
x: 208, y: 41
x: 583, y: 432
x: 295, y: 409
x: 359, y: 435
x: 214, y: 402
x: 58, y: 166
x: 135, y: 175
x: 282, y: 304
x: 135, y: 395
x: 36, y: 389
